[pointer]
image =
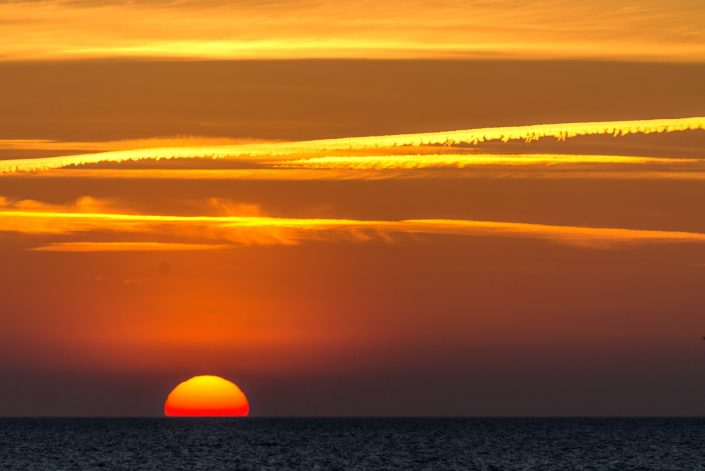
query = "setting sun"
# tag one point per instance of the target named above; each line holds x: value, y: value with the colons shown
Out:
x: 206, y: 396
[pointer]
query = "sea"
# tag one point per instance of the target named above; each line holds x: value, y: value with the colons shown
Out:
x: 353, y: 444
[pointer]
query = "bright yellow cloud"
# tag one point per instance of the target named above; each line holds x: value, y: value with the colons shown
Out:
x: 220, y: 29
x: 265, y: 174
x: 127, y: 144
x: 376, y: 162
x: 263, y: 153
x: 261, y: 230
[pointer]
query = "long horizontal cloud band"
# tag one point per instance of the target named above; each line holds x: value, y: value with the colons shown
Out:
x: 375, y: 162
x: 239, y: 230
x: 203, y: 29
x: 264, y: 152
x: 325, y: 174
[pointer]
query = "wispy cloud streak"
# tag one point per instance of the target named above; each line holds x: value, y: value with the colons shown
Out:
x: 265, y: 151
x: 414, y: 161
x: 127, y: 247
x: 631, y: 29
x: 256, y: 230
x: 126, y: 144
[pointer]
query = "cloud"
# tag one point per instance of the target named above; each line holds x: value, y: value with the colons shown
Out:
x: 516, y: 172
x: 264, y: 153
x: 227, y: 29
x: 415, y: 161
x: 127, y: 247
x: 251, y: 174
x: 127, y: 144
x: 84, y: 204
x: 262, y: 230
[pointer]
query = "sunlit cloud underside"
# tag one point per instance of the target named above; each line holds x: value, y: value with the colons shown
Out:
x: 230, y: 231
x: 393, y: 156
x: 312, y: 154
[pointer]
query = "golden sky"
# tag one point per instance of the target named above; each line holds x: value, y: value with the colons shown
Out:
x: 286, y: 29
x: 344, y: 236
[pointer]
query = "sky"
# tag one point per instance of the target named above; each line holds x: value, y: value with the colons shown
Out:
x: 391, y: 29
x: 405, y: 208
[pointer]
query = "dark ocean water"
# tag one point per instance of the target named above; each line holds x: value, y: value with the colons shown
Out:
x: 356, y: 444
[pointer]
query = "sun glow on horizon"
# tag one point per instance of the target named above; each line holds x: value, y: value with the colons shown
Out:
x: 206, y: 396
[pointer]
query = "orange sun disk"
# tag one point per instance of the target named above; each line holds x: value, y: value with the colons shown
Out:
x: 206, y: 396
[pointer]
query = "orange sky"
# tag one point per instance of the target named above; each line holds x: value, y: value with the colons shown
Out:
x: 222, y: 29
x: 353, y: 237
